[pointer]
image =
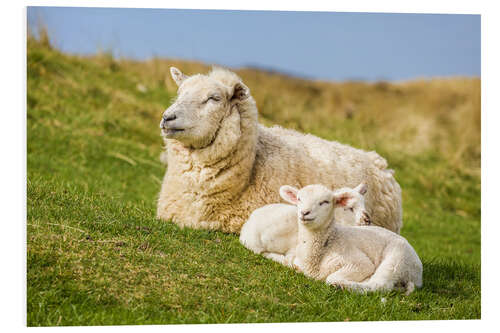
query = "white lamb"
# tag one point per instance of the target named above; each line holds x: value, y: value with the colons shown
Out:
x: 272, y: 229
x: 358, y: 258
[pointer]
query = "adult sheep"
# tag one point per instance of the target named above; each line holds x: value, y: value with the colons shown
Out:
x: 222, y: 164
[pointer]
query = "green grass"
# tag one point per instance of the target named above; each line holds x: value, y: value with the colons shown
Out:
x: 98, y: 256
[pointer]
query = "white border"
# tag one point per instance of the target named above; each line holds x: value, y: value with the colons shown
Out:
x: 380, y: 6
x: 13, y: 132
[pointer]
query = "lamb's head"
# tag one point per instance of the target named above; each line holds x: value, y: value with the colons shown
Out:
x: 202, y: 105
x: 316, y: 204
x: 354, y: 211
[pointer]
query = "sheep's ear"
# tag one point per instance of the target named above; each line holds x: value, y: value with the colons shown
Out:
x: 344, y: 199
x: 362, y: 188
x: 177, y: 75
x: 240, y: 92
x: 289, y: 193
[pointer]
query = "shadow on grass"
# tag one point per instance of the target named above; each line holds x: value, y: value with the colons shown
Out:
x: 452, y: 278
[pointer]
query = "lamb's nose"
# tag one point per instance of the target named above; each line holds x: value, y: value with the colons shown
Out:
x: 305, y: 213
x: 169, y: 117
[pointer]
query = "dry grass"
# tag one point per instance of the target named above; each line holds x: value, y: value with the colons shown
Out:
x: 439, y: 115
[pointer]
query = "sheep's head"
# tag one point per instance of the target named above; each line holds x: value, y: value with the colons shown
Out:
x: 316, y: 204
x: 203, y: 103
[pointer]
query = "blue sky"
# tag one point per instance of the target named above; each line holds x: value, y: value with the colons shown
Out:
x: 319, y: 45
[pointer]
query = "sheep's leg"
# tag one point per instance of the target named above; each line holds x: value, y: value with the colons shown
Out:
x: 208, y: 225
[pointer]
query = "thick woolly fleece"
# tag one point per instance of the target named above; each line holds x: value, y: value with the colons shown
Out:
x: 240, y: 166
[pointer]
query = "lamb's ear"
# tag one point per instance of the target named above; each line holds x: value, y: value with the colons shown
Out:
x: 289, y: 193
x: 240, y: 92
x: 177, y: 75
x: 362, y: 188
x: 343, y: 199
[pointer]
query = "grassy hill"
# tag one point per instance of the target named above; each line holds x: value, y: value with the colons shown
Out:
x: 96, y: 255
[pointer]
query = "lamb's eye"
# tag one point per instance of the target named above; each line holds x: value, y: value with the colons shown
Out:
x: 324, y: 202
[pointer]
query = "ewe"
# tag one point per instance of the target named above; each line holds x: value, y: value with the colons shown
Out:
x: 359, y: 258
x: 272, y: 230
x: 222, y: 164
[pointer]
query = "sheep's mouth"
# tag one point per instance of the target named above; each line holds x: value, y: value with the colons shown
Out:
x: 303, y: 219
x: 172, y: 131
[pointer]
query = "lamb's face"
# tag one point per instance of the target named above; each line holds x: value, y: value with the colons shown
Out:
x: 315, y: 204
x: 352, y: 201
x: 198, y: 111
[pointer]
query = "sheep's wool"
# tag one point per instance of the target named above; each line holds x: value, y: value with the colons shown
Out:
x: 218, y: 182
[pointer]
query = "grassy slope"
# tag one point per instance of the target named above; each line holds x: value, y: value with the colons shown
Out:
x: 97, y: 255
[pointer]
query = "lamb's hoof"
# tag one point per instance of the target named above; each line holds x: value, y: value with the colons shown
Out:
x: 337, y: 286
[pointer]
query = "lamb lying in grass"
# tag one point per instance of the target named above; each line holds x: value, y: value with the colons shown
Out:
x: 358, y: 258
x: 272, y: 229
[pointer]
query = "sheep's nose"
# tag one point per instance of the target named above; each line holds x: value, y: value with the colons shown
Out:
x: 305, y: 213
x: 169, y: 117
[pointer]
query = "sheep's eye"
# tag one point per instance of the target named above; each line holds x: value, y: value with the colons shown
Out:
x: 214, y: 98
x: 324, y: 202
x: 351, y: 209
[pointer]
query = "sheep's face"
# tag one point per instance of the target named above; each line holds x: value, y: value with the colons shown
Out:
x: 201, y: 106
x: 316, y: 204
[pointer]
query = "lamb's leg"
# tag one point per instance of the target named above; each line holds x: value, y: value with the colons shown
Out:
x: 297, y: 264
x: 290, y: 259
x: 385, y: 277
x: 345, y: 277
x: 282, y: 259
